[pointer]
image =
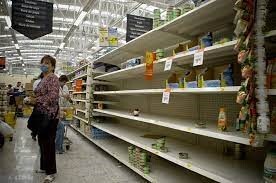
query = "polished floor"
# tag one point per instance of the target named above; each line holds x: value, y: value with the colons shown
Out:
x: 83, y: 163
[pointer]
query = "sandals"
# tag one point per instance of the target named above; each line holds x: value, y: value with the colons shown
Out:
x: 49, y: 178
x: 40, y: 171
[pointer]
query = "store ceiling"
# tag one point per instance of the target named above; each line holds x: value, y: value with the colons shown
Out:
x: 81, y: 41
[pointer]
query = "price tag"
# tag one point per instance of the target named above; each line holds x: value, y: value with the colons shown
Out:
x: 166, y: 96
x: 168, y: 64
x: 189, y: 165
x: 198, y: 58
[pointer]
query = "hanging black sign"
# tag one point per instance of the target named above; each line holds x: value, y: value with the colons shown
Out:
x: 136, y: 26
x: 32, y: 18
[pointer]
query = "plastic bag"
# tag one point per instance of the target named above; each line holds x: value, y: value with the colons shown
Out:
x: 5, y: 129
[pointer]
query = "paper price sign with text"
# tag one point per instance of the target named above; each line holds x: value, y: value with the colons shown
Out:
x: 168, y: 64
x: 198, y: 57
x: 166, y: 96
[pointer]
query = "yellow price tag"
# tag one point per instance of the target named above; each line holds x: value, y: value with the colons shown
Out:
x: 189, y: 165
x: 222, y: 89
x: 189, y: 129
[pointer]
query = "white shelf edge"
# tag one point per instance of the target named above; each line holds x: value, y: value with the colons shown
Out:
x: 79, y: 100
x: 76, y: 70
x: 162, y: 61
x: 80, y: 110
x: 270, y: 33
x: 86, y: 121
x: 105, y: 102
x: 147, y: 177
x: 218, y: 90
x: 271, y: 91
x: 79, y: 92
x: 96, y: 82
x: 81, y: 76
x: 189, y: 129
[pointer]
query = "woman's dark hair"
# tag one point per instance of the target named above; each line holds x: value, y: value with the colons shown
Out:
x: 51, y: 59
x: 63, y: 78
x: 40, y: 76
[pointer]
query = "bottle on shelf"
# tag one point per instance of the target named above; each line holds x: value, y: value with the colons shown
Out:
x: 222, y: 120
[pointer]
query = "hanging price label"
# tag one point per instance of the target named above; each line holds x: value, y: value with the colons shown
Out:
x: 168, y: 64
x: 166, y: 96
x: 198, y: 58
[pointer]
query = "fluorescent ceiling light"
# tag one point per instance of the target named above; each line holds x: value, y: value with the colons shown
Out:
x: 61, y: 46
x: 8, y: 21
x: 60, y: 29
x: 5, y: 36
x: 12, y: 58
x: 80, y: 18
x: 36, y: 51
x: 36, y: 41
x: 7, y: 47
x: 16, y: 46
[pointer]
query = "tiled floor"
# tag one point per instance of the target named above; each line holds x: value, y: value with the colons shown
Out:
x: 83, y: 163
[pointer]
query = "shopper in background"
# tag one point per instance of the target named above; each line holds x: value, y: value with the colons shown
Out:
x: 18, y: 87
x: 9, y: 93
x: 64, y: 98
x: 46, y: 102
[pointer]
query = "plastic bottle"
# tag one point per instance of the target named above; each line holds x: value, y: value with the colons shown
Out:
x: 222, y: 120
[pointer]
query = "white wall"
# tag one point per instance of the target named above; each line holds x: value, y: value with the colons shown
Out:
x: 7, y: 79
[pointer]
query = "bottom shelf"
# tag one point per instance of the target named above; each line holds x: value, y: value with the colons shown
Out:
x: 204, y: 162
x: 162, y: 171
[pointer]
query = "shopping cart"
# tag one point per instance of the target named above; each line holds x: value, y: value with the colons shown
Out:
x: 66, y: 141
x: 66, y: 118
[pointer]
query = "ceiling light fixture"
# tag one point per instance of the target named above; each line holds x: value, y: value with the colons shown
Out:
x: 80, y: 18
x: 8, y: 21
x: 61, y: 46
x: 16, y: 46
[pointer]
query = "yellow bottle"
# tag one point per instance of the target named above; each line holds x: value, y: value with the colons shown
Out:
x: 222, y: 120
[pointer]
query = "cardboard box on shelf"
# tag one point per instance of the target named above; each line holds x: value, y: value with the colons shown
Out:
x: 28, y: 87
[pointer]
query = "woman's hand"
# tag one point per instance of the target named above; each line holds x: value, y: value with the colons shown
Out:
x: 32, y: 100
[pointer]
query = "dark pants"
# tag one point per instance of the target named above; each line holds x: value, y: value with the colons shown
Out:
x: 47, y: 149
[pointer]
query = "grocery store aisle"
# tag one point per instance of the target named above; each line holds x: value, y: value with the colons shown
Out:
x: 83, y: 163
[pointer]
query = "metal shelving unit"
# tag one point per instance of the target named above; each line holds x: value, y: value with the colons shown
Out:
x: 188, y: 106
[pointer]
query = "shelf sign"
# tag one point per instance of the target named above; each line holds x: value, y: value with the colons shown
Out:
x: 113, y: 36
x: 198, y: 58
x: 32, y: 18
x: 137, y: 26
x: 168, y: 64
x: 108, y: 37
x: 166, y: 96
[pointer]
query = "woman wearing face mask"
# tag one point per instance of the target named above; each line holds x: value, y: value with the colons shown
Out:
x: 46, y: 103
x: 64, y: 98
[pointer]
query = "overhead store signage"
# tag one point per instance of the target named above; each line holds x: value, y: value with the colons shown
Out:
x: 2, y: 63
x: 32, y: 18
x: 108, y: 37
x: 137, y: 26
